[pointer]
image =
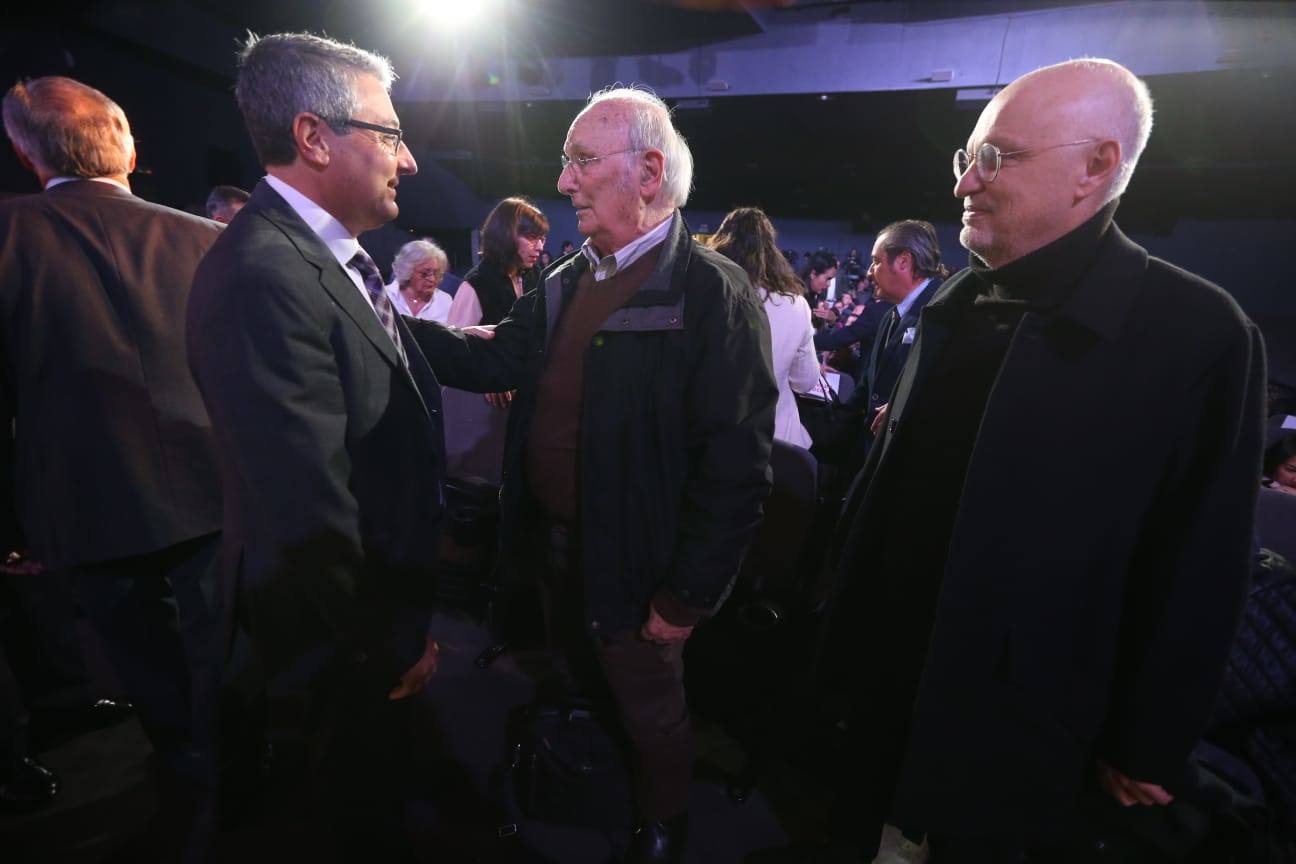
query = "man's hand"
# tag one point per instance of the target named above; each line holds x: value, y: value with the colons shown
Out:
x: 1129, y: 791
x: 500, y: 400
x: 481, y: 331
x: 827, y: 315
x: 658, y: 629
x: 419, y: 674
x: 879, y: 419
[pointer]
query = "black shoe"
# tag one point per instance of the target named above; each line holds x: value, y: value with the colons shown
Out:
x: 56, y: 726
x: 659, y: 842
x: 26, y: 785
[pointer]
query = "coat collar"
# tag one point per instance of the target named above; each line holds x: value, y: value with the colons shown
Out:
x: 658, y: 304
x: 1101, y: 300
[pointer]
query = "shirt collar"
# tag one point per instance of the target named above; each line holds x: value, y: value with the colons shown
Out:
x: 59, y: 181
x: 330, y: 231
x: 903, y: 307
x: 609, y: 265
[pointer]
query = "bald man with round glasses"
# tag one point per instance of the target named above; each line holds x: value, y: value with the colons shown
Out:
x: 1048, y: 548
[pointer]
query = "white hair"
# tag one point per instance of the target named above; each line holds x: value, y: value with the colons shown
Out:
x: 414, y: 253
x: 651, y: 127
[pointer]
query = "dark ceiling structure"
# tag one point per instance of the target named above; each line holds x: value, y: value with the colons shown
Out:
x: 1221, y: 148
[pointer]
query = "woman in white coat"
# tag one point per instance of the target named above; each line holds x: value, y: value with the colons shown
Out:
x: 747, y: 238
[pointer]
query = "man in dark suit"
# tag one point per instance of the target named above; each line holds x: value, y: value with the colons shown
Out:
x: 906, y: 266
x: 1039, y: 588
x: 115, y: 468
x: 328, y: 429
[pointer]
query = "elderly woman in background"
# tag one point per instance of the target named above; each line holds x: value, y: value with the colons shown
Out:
x: 419, y: 267
x: 512, y: 238
x: 747, y: 238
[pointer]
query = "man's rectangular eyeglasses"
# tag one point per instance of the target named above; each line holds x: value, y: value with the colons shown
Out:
x: 580, y: 162
x: 989, y: 158
x: 391, y: 137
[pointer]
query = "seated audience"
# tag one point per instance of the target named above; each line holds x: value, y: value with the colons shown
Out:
x: 511, y: 240
x: 747, y: 237
x: 417, y: 271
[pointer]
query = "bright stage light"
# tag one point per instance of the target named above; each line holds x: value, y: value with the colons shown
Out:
x: 455, y: 16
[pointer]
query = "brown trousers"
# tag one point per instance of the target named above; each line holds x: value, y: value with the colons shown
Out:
x: 646, y: 681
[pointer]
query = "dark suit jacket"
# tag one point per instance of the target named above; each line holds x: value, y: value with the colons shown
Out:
x: 114, y: 452
x: 862, y: 330
x: 331, y: 450
x: 1100, y: 556
x: 886, y: 359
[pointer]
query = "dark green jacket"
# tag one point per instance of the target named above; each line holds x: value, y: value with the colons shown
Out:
x: 677, y: 426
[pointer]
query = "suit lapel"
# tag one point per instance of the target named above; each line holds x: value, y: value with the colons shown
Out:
x: 333, y: 278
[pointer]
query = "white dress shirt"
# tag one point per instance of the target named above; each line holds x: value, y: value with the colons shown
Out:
x: 57, y: 181
x: 330, y: 231
x: 610, y: 265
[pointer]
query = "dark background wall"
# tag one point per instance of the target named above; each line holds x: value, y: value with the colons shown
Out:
x: 1213, y: 192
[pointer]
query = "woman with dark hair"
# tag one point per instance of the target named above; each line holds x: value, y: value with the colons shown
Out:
x: 747, y: 238
x: 817, y: 273
x: 1280, y: 465
x: 512, y: 238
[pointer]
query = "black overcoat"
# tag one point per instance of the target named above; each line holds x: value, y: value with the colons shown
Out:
x: 1100, y: 554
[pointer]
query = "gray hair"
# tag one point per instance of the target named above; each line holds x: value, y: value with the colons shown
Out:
x: 68, y: 128
x: 285, y: 74
x: 221, y: 198
x: 918, y: 238
x: 414, y: 253
x: 651, y: 127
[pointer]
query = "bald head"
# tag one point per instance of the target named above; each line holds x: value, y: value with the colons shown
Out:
x: 61, y: 127
x: 1051, y: 149
x: 1091, y: 98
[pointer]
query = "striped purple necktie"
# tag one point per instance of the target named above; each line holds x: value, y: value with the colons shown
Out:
x: 373, y: 284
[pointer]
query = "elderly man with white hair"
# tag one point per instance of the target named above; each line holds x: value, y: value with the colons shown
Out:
x: 639, y: 440
x: 1046, y: 553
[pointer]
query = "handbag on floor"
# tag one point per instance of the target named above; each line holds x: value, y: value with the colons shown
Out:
x: 567, y: 768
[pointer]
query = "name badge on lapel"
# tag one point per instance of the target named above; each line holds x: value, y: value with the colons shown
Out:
x: 908, y: 337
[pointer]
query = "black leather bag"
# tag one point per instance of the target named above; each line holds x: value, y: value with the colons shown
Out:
x: 834, y: 428
x: 567, y: 768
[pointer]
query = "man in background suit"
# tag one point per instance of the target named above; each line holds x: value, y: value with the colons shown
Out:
x: 906, y: 265
x: 328, y: 429
x: 114, y: 467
